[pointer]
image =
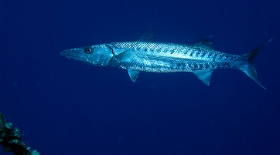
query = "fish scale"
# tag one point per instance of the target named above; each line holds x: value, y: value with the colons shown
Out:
x: 148, y: 56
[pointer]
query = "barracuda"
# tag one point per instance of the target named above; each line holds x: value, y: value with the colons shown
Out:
x: 145, y: 55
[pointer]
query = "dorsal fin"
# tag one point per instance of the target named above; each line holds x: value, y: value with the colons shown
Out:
x: 149, y: 36
x: 206, y: 42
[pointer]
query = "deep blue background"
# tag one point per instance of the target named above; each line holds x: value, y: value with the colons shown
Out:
x: 66, y: 107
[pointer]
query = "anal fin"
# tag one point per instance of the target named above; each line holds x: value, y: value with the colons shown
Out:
x: 204, y: 76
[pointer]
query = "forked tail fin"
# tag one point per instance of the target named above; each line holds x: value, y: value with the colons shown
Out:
x: 251, y: 70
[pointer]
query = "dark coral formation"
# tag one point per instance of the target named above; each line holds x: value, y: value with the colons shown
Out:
x: 10, y: 139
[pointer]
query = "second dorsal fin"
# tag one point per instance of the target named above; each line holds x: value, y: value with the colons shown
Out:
x: 206, y: 42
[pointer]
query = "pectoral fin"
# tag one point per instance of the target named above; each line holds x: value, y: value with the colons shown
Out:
x: 133, y: 74
x: 204, y: 76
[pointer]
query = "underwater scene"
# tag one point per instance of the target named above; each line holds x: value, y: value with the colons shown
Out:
x: 128, y: 77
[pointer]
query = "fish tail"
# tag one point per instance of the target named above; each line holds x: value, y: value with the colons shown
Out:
x: 250, y: 69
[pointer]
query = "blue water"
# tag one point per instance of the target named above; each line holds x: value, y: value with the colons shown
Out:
x: 67, y: 107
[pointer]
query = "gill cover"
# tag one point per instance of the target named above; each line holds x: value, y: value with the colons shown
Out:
x: 101, y: 55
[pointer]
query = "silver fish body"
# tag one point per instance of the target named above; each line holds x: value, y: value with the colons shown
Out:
x: 143, y: 55
x: 164, y: 58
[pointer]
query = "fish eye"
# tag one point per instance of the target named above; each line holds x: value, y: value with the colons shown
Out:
x: 88, y: 50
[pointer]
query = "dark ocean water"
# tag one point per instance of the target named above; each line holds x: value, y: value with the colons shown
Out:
x: 66, y: 107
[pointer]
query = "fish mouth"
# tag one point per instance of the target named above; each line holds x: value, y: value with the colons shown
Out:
x: 70, y: 54
x: 67, y: 54
x: 75, y: 55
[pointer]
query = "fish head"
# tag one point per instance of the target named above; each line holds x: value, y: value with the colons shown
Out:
x: 97, y: 55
